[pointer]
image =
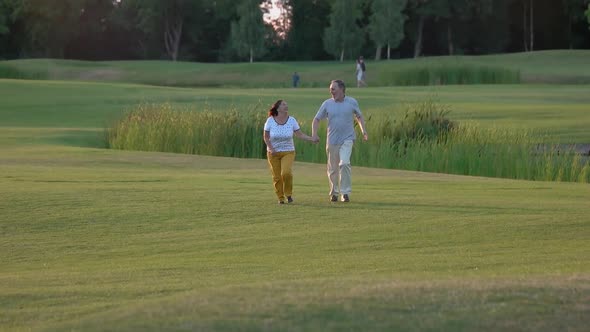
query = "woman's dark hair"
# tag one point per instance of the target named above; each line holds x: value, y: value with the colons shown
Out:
x: 273, y: 110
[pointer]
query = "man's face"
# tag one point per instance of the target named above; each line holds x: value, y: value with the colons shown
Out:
x: 336, y: 91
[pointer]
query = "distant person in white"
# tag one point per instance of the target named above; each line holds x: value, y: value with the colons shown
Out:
x: 280, y: 148
x: 341, y: 111
x: 360, y: 73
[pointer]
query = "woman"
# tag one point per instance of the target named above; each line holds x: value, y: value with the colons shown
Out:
x: 360, y: 73
x: 280, y: 148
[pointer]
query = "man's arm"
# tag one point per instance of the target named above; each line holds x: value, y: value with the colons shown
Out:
x: 314, y: 129
x: 361, y: 122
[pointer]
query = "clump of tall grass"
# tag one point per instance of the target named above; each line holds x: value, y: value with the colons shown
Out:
x: 493, y: 152
x: 426, y: 140
x: 421, y: 121
x: 159, y: 127
x: 433, y: 74
x: 423, y: 139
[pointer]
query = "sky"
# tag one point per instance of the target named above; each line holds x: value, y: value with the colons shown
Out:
x: 277, y: 18
x: 275, y: 12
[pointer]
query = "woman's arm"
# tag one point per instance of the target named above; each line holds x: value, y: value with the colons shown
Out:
x: 266, y: 137
x: 303, y: 136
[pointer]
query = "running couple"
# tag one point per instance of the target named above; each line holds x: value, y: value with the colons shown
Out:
x: 340, y: 111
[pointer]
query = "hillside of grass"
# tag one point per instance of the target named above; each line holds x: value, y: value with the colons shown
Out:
x: 102, y: 240
x: 560, y: 66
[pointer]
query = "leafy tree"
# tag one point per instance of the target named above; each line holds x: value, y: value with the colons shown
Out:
x: 528, y: 4
x: 6, y: 9
x: 344, y: 34
x: 448, y: 16
x: 93, y: 40
x: 9, y: 32
x: 588, y: 14
x: 487, y: 29
x: 308, y: 17
x: 386, y: 25
x: 212, y: 33
x: 456, y: 12
x: 528, y: 25
x: 138, y: 25
x: 423, y: 10
x: 248, y: 32
x: 50, y: 25
x: 574, y: 12
x: 168, y: 21
x: 174, y: 17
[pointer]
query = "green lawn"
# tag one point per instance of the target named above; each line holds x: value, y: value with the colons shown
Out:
x: 101, y: 240
x: 111, y: 240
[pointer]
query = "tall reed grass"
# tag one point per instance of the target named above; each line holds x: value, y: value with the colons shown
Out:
x: 471, y: 150
x: 439, y: 74
x: 156, y: 127
x: 423, y: 139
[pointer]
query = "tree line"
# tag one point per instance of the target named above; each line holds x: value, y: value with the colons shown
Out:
x: 234, y: 30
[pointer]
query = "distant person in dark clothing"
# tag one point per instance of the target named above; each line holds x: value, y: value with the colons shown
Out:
x: 295, y: 79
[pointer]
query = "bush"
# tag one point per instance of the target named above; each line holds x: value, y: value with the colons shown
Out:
x: 423, y: 121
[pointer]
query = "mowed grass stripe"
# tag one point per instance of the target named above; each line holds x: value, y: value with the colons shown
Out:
x: 361, y: 304
x: 89, y: 231
x: 556, y: 110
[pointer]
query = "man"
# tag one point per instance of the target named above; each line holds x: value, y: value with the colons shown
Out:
x: 295, y: 79
x: 340, y: 111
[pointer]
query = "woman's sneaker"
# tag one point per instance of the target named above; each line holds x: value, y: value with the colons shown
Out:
x: 289, y: 199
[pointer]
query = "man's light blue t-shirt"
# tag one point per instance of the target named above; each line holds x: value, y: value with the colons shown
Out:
x: 340, y: 117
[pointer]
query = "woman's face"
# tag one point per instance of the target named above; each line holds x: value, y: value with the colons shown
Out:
x: 283, y: 107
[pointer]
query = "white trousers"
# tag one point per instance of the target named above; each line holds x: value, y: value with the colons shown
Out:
x: 339, y: 169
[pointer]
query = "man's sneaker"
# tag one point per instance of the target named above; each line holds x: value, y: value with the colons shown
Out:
x: 289, y: 199
x: 334, y: 198
x: 345, y: 198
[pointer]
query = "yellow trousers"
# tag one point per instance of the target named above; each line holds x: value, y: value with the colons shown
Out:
x: 281, y: 169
